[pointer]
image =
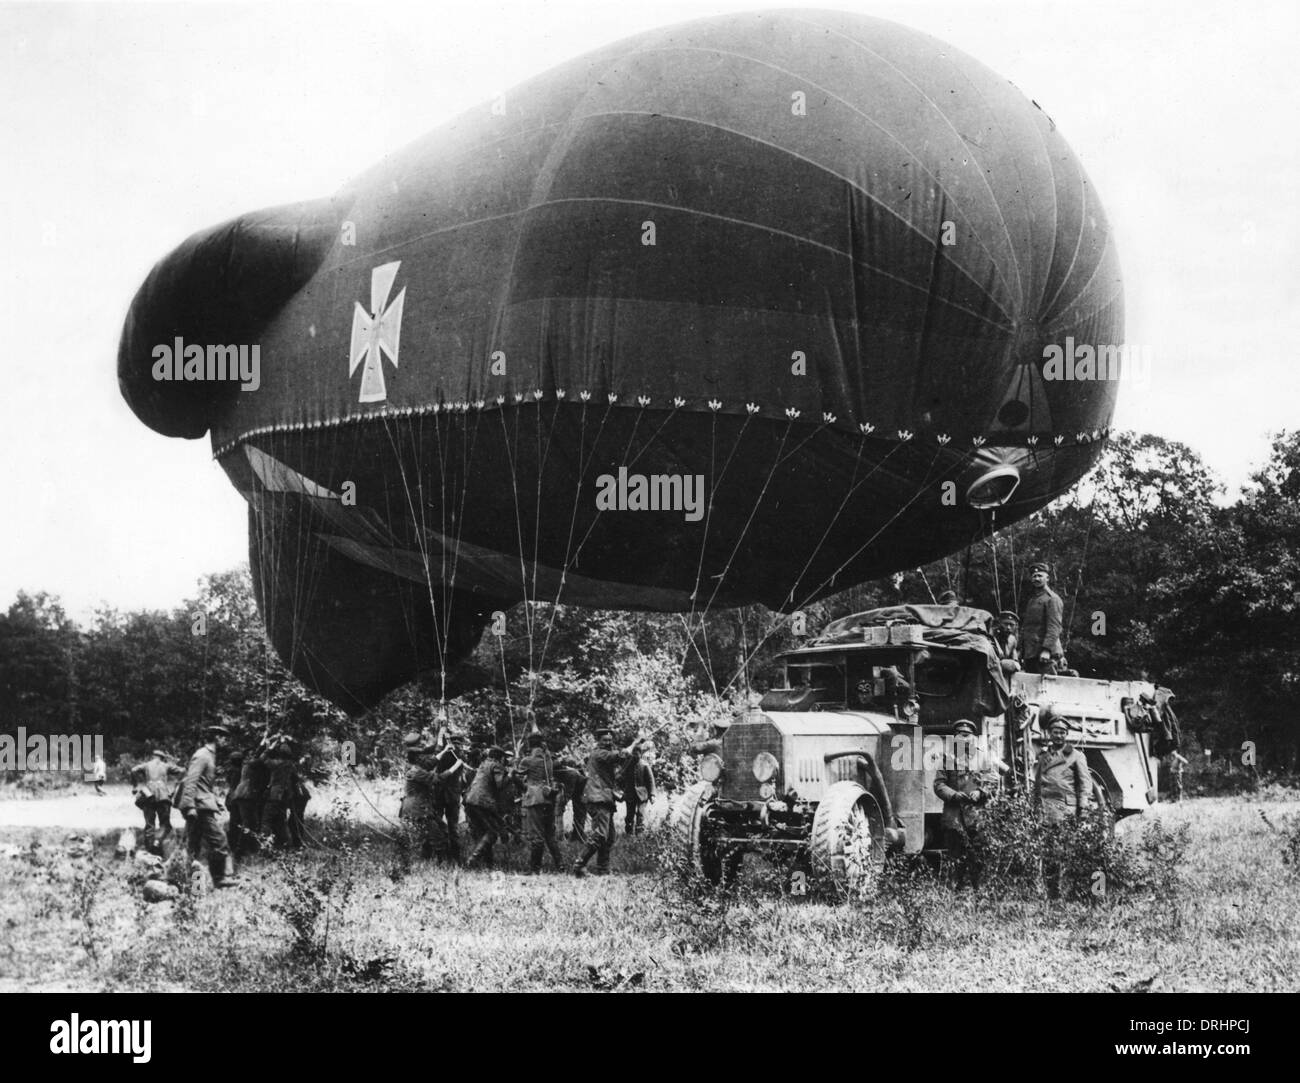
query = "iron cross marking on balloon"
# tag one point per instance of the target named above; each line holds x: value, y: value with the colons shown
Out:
x: 377, y: 332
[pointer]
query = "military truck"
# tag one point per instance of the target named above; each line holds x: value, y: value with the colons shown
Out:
x: 834, y: 767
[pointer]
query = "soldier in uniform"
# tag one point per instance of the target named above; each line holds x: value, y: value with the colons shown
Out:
x: 483, y: 806
x: 200, y: 806
x: 281, y: 790
x: 508, y: 806
x: 638, y: 780
x: 602, y: 773
x: 298, y: 808
x: 447, y: 792
x: 235, y: 829
x: 152, y: 781
x: 968, y: 779
x: 1177, y: 762
x: 246, y: 802
x: 1062, y: 781
x: 572, y: 781
x: 1040, y: 628
x: 537, y: 773
x: 713, y: 743
x: 1006, y: 640
x: 417, y: 798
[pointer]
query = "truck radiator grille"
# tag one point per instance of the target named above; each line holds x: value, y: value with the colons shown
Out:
x: 744, y: 741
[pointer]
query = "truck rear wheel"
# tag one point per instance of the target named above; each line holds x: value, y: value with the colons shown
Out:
x: 1102, y: 803
x: 694, y: 854
x: 848, y: 837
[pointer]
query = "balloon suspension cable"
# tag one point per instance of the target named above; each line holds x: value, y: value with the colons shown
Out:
x: 926, y: 583
x: 422, y: 542
x: 925, y: 484
x: 993, y: 549
x: 1078, y: 584
x: 1015, y: 583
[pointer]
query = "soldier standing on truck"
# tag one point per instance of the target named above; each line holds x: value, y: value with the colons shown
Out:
x: 1040, y: 628
x: 602, y: 774
x: 1006, y: 641
x: 968, y: 779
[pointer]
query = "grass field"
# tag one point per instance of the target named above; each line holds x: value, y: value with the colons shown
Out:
x: 349, y: 915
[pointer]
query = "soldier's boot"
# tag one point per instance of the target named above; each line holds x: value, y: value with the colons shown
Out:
x: 580, y: 866
x: 481, y: 851
x: 535, y: 857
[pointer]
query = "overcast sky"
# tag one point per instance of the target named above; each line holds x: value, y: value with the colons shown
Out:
x: 126, y: 128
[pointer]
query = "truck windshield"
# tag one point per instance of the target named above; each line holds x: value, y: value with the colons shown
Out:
x: 941, y: 674
x: 826, y: 681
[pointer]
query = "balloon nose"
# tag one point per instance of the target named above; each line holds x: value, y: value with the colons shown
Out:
x: 994, y: 487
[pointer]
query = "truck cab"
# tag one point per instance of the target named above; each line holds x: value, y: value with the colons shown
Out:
x: 835, y: 764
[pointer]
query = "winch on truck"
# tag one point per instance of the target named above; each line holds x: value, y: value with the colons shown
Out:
x: 835, y: 768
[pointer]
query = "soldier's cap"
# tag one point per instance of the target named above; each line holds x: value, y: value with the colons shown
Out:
x: 159, y: 753
x: 216, y: 728
x: 604, y: 731
x: 1039, y: 566
x: 535, y: 739
x: 1049, y: 718
x: 413, y: 742
x: 965, y: 725
x: 496, y: 750
x: 1007, y: 617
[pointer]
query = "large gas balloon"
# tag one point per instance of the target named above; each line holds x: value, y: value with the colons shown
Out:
x: 746, y: 310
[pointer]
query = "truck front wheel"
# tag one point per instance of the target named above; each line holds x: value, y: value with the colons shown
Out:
x: 693, y: 851
x: 848, y: 838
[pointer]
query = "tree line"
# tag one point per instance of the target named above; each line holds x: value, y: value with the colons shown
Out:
x: 1162, y: 578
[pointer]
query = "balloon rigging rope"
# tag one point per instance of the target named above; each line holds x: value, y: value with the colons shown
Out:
x: 708, y: 520
x: 849, y: 560
x: 993, y: 549
x: 583, y: 464
x: 1078, y: 584
x: 543, y: 456
x: 519, y: 533
x: 422, y: 542
x: 854, y: 486
x: 758, y: 502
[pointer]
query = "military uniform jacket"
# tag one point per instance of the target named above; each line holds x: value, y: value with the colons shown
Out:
x: 536, y: 771
x: 602, y: 774
x: 964, y: 774
x: 199, y: 788
x: 450, y: 785
x: 151, y: 779
x: 252, y: 781
x: 1040, y: 627
x: 282, y: 779
x: 417, y: 802
x: 491, y: 780
x: 573, y: 781
x: 1063, y: 777
x: 639, y: 776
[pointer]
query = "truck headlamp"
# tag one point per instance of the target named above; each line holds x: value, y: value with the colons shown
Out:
x: 711, y: 767
x: 765, y: 767
x: 767, y: 791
